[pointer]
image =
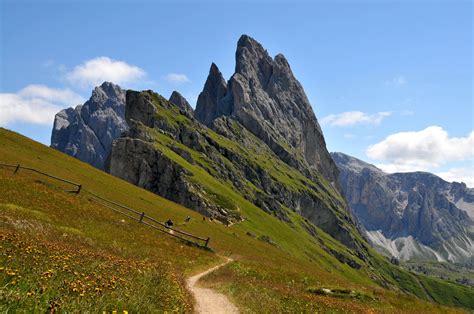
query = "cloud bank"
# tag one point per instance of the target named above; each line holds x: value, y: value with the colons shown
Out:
x: 35, y: 104
x: 423, y: 150
x: 461, y: 174
x: 95, y: 71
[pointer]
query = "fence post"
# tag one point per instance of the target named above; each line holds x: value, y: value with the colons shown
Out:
x: 141, y: 216
x: 79, y: 189
x: 207, y: 242
x: 16, y: 169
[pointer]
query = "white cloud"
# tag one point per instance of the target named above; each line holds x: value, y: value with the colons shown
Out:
x: 393, y: 168
x: 462, y: 174
x: 177, y: 78
x: 421, y: 150
x: 59, y: 96
x: 350, y: 118
x: 95, y: 71
x: 35, y: 104
x: 397, y: 81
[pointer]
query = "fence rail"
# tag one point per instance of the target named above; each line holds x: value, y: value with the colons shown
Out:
x: 132, y: 213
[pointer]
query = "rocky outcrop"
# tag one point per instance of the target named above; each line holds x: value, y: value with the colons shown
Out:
x: 165, y: 152
x: 258, y: 145
x: 259, y: 137
x: 265, y: 97
x: 177, y: 99
x: 137, y: 159
x: 210, y: 101
x: 87, y: 131
x: 412, y: 216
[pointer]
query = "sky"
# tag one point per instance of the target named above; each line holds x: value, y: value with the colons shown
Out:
x: 390, y: 81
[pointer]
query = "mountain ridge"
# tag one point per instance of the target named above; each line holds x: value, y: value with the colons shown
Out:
x: 413, y: 215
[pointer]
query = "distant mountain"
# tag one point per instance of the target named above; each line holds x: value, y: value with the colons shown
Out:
x: 87, y: 131
x: 412, y: 216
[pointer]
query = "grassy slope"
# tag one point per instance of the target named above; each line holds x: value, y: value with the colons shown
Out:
x: 59, y: 249
x: 252, y: 151
x: 441, y: 270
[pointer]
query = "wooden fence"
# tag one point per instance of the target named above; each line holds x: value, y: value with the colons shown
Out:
x: 131, y: 213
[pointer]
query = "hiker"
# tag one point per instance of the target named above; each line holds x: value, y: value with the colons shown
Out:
x: 169, y: 223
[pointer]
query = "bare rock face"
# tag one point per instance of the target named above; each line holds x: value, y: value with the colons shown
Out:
x: 177, y: 99
x: 87, y: 131
x: 209, y: 104
x: 412, y: 216
x: 136, y: 159
x: 265, y: 97
x: 165, y: 151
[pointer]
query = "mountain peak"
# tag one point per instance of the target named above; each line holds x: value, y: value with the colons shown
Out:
x: 249, y: 42
x: 87, y: 131
x: 252, y: 60
x: 215, y: 88
x: 344, y: 161
x: 214, y: 70
x: 178, y: 99
x: 108, y: 90
x: 264, y: 96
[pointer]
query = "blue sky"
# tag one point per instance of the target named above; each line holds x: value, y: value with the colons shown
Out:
x: 391, y: 82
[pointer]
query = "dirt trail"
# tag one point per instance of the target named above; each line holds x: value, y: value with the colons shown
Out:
x: 207, y: 300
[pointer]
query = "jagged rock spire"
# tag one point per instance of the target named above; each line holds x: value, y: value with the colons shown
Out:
x: 265, y: 97
x: 215, y: 88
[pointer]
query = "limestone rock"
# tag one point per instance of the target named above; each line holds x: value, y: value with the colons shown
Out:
x: 414, y: 215
x: 265, y: 97
x: 177, y: 99
x: 87, y: 131
x: 209, y: 105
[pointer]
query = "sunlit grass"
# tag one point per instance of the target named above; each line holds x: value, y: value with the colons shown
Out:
x: 51, y: 235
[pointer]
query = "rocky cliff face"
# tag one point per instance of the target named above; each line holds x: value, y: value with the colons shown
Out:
x: 253, y: 143
x: 172, y: 154
x: 412, y: 216
x: 139, y: 158
x: 264, y: 96
x: 259, y: 140
x: 87, y: 131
